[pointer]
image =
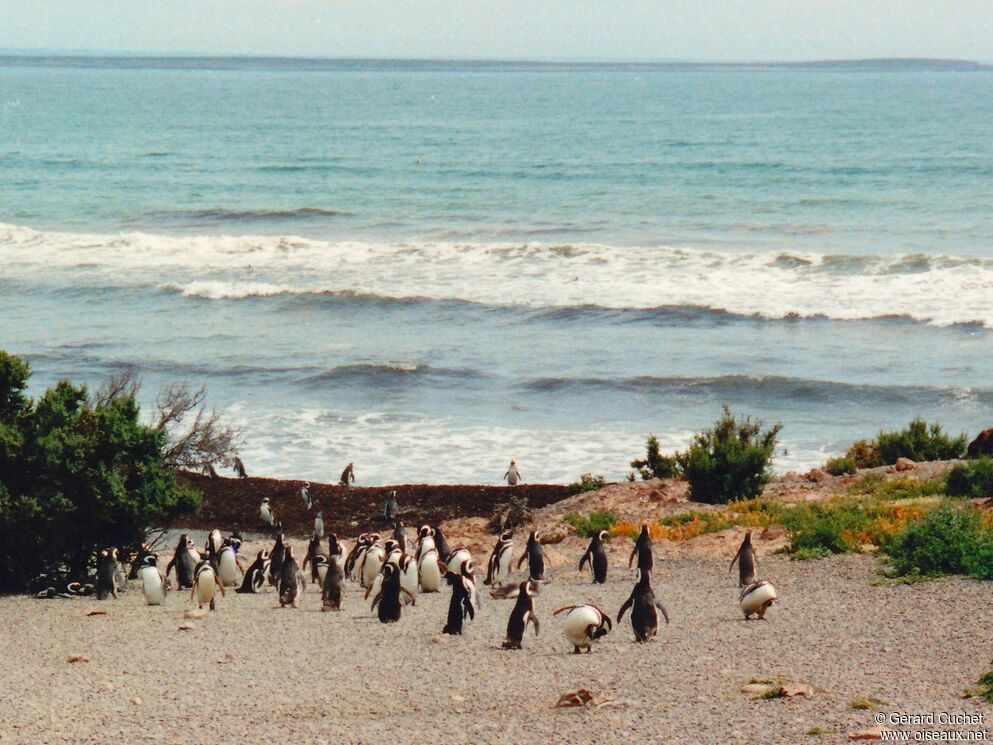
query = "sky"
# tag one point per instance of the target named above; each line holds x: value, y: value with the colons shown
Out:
x: 574, y: 30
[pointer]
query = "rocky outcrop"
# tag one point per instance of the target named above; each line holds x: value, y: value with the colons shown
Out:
x: 982, y: 445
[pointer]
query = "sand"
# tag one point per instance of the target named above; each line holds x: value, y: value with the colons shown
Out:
x: 251, y: 672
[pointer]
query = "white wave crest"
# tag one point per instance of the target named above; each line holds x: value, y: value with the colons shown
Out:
x: 940, y: 290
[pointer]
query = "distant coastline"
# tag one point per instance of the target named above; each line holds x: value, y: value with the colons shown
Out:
x: 316, y: 64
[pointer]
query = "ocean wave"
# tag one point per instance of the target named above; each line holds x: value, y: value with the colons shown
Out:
x: 942, y: 290
x: 390, y: 373
x: 220, y: 215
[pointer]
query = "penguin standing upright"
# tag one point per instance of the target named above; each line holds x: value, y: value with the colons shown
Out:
x: 314, y: 557
x: 643, y: 549
x: 153, y: 582
x: 521, y: 616
x: 644, y: 609
x: 372, y: 561
x: 584, y: 624
x: 266, y: 515
x: 498, y: 566
x: 441, y: 544
x: 335, y: 547
x: 362, y: 544
x: 205, y: 585
x: 400, y: 535
x: 228, y: 566
x: 596, y: 557
x: 535, y: 556
x: 255, y: 574
x: 308, y: 502
x: 388, y: 597
x: 334, y: 584
x: 319, y: 524
x: 391, y: 508
x: 428, y: 568
x: 185, y: 562
x: 289, y: 580
x: 276, y: 560
x: 746, y: 561
x: 107, y: 569
x: 460, y: 606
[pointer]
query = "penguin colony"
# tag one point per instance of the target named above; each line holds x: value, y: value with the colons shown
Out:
x: 392, y: 577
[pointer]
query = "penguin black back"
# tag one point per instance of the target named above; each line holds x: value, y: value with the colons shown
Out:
x: 535, y: 556
x: 288, y: 582
x: 314, y: 556
x: 644, y: 609
x: 460, y: 606
x: 387, y: 600
x: 276, y: 557
x: 334, y: 584
x: 441, y: 544
x: 521, y: 616
x: 746, y: 561
x: 643, y: 550
x: 107, y: 574
x: 183, y: 562
x: 596, y: 557
x: 255, y: 574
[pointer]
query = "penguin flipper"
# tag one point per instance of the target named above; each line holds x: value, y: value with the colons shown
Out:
x: 587, y: 557
x: 533, y: 619
x: 375, y: 600
x: 731, y: 566
x: 470, y: 611
x: 521, y: 559
x: 633, y: 552
x: 627, y: 604
x: 664, y: 614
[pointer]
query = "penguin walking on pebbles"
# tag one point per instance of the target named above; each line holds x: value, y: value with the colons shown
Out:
x: 153, y: 582
x: 746, y: 561
x: 315, y: 558
x: 644, y: 609
x: 290, y: 580
x: 400, y: 535
x: 498, y: 567
x: 276, y: 557
x: 757, y: 598
x: 372, y: 562
x: 584, y: 624
x: 229, y: 567
x: 535, y: 556
x: 254, y: 579
x: 643, y: 550
x: 334, y: 584
x: 429, y: 571
x: 107, y: 569
x: 362, y: 544
x: 387, y: 600
x: 460, y: 606
x: 206, y: 584
x: 596, y: 557
x: 521, y: 616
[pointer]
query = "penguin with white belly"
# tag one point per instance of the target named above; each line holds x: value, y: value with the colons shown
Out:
x: 596, y: 557
x: 498, y: 566
x: 387, y: 601
x: 521, y: 616
x: 455, y: 563
x: 644, y: 609
x: 757, y: 598
x: 362, y: 544
x: 315, y: 557
x: 153, y: 582
x: 372, y: 562
x: 206, y: 585
x: 228, y: 566
x: 584, y: 624
x: 255, y: 575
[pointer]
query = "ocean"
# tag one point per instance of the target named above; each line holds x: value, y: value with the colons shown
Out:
x: 432, y: 271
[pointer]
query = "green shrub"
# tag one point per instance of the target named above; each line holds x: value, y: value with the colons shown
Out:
x: 594, y: 523
x: 864, y: 454
x: 729, y: 461
x: 829, y: 527
x: 655, y: 465
x: 510, y: 515
x: 985, y: 687
x: 971, y: 479
x: 979, y: 562
x: 587, y: 482
x: 920, y: 441
x: 941, y: 543
x: 883, y: 487
x: 840, y: 466
x: 76, y: 475
x: 809, y: 554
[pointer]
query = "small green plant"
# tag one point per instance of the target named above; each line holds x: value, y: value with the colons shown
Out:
x: 655, y: 465
x: 880, y: 486
x: 587, y: 482
x: 776, y: 690
x: 941, y: 543
x: 818, y: 730
x: 985, y: 689
x: 729, y: 461
x: 810, y: 553
x: 592, y: 524
x: 865, y: 703
x: 971, y: 479
x: 840, y: 466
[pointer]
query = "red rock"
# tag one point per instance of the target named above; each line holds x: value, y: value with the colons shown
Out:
x: 866, y: 734
x: 982, y: 445
x: 903, y: 464
x: 817, y: 476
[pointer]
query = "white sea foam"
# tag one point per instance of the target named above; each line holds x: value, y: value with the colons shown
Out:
x: 940, y: 290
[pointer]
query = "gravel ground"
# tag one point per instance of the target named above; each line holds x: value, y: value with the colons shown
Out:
x: 251, y: 672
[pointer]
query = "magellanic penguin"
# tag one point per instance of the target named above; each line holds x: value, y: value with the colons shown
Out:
x: 228, y: 566
x: 153, y: 582
x: 308, y: 502
x: 441, y: 544
x: 456, y: 560
x: 390, y: 508
x: 334, y: 584
x: 290, y: 580
x: 255, y: 575
x: 185, y: 561
x: 406, y: 566
x: 498, y: 567
x: 107, y: 569
x: 372, y: 562
x: 214, y: 541
x: 584, y: 625
x: 521, y: 616
x: 429, y: 571
x: 206, y: 585
x: 315, y: 558
x: 644, y: 609
x: 319, y: 524
x: 388, y: 597
x: 535, y: 556
x: 276, y: 560
x: 757, y: 598
x: 400, y: 535
x: 746, y: 561
x: 596, y: 557
x: 362, y: 544
x: 460, y: 607
x: 643, y: 550
x: 266, y: 515
x: 335, y: 547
